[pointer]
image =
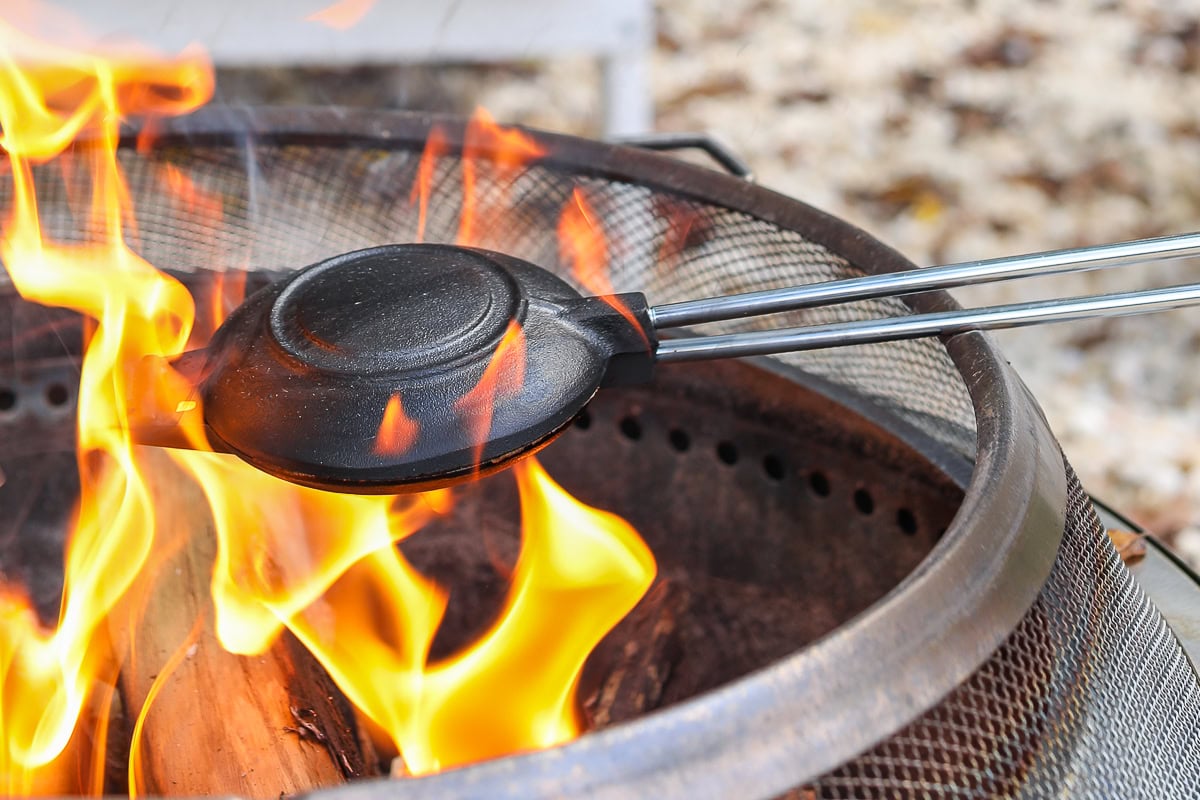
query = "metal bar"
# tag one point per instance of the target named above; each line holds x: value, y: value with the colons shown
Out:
x: 1017, y: 315
x: 669, y: 141
x: 693, y: 312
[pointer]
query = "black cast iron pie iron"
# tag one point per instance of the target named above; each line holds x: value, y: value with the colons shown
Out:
x: 408, y: 367
x: 298, y: 380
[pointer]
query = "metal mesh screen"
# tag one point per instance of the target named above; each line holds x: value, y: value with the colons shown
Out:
x: 285, y: 207
x: 1091, y: 696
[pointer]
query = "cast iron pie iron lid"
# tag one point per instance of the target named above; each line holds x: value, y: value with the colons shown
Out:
x: 408, y: 367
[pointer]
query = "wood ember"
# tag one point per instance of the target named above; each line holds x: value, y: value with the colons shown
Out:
x: 329, y: 718
x: 690, y: 634
x: 260, y: 726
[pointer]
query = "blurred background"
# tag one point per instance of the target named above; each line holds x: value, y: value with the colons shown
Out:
x: 950, y: 129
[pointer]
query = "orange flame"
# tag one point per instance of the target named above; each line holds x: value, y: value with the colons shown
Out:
x: 317, y: 560
x: 582, y: 243
x: 686, y: 227
x: 325, y: 566
x: 579, y: 572
x: 502, y: 377
x: 135, y: 769
x: 507, y: 150
x: 50, y: 96
x: 397, y: 432
x: 342, y: 15
x: 435, y: 147
x: 228, y: 292
x: 205, y: 207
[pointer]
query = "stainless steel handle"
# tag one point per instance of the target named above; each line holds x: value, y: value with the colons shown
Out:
x: 693, y: 312
x: 1016, y: 315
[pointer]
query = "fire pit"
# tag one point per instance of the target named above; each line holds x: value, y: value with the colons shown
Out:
x: 876, y: 574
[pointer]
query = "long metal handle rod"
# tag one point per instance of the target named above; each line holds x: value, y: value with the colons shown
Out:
x: 967, y: 273
x: 1017, y: 315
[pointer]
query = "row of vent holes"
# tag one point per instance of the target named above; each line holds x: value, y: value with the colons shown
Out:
x: 57, y: 396
x: 772, y: 465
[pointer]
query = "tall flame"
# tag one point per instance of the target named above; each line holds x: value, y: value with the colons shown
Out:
x: 435, y: 147
x: 503, y: 377
x: 508, y: 151
x: 49, y: 97
x: 579, y: 572
x: 324, y: 566
x: 583, y: 245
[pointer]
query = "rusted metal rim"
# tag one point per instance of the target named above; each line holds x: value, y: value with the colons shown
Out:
x: 803, y: 716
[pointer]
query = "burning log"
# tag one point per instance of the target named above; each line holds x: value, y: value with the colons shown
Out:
x: 627, y: 673
x: 211, y: 722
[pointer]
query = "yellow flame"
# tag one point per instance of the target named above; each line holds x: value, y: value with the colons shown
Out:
x: 49, y: 97
x: 325, y: 566
x: 579, y: 572
x: 502, y: 378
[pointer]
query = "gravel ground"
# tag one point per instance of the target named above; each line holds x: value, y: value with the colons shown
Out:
x: 951, y: 129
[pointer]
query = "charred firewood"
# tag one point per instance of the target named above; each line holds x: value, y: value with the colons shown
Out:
x: 629, y: 670
x: 212, y: 722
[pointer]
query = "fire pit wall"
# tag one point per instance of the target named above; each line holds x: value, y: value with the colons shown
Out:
x: 782, y: 498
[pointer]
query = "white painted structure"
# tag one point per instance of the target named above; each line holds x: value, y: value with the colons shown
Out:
x: 276, y: 32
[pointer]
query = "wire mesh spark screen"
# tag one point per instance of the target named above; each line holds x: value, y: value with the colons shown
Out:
x: 284, y: 207
x: 1089, y: 696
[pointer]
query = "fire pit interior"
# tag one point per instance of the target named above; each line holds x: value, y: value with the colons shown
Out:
x: 794, y: 505
x: 775, y: 512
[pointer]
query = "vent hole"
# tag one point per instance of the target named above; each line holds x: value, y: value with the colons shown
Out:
x: 773, y: 466
x: 680, y: 441
x: 819, y: 483
x: 583, y: 420
x: 57, y: 395
x: 863, y: 501
x: 8, y: 399
x: 727, y: 452
x: 907, y: 521
x: 631, y: 428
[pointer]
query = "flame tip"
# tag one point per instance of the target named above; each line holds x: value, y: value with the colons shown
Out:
x: 324, y: 566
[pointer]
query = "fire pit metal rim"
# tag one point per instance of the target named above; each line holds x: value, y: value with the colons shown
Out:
x: 802, y: 716
x: 1016, y: 489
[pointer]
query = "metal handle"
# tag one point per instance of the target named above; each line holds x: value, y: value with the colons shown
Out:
x: 1017, y: 315
x: 968, y: 273
x: 715, y: 149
